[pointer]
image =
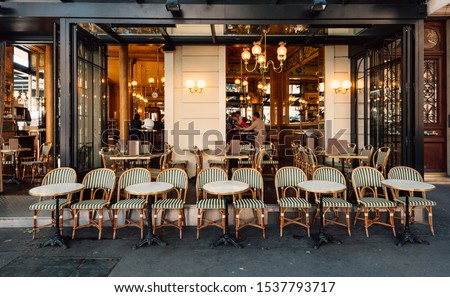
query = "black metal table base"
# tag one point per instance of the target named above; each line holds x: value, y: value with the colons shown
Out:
x: 55, y: 240
x: 407, y: 235
x: 322, y: 238
x: 13, y: 180
x: 150, y: 238
x: 226, y: 238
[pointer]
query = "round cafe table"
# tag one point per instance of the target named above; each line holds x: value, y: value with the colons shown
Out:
x: 56, y: 190
x: 322, y: 187
x: 227, y: 189
x: 146, y: 189
x: 14, y: 152
x: 408, y: 186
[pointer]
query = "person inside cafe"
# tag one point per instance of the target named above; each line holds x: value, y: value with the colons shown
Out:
x: 244, y: 123
x: 259, y: 127
x: 148, y: 123
x: 135, y: 126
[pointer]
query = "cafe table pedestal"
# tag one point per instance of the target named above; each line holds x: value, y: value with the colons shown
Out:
x: 322, y: 187
x: 56, y: 190
x: 226, y: 189
x: 407, y: 186
x: 147, y: 189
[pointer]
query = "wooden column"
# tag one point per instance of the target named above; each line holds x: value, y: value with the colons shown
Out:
x: 48, y: 94
x: 124, y: 110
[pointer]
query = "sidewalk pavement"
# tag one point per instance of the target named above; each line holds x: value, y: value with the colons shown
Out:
x: 377, y: 255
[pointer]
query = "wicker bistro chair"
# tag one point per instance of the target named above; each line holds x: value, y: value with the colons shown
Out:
x: 366, y: 150
x: 254, y: 179
x: 99, y: 187
x: 286, y: 180
x: 367, y: 181
x: 126, y: 203
x: 205, y: 203
x: 163, y: 163
x: 268, y: 157
x: 198, y: 159
x: 246, y: 148
x: 333, y: 203
x: 380, y: 159
x: 177, y: 177
x: 415, y: 201
x: 55, y: 176
x: 38, y: 165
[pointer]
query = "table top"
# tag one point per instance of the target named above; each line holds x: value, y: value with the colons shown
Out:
x: 321, y: 186
x: 149, y: 188
x: 56, y: 189
x: 15, y: 150
x: 226, y: 187
x: 407, y: 185
x: 137, y: 157
x: 240, y: 156
x: 348, y: 156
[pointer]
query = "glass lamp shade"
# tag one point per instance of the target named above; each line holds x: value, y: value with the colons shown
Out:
x: 237, y: 81
x: 190, y: 83
x: 201, y: 84
x: 151, y: 80
x: 281, y: 51
x: 256, y: 48
x: 335, y: 84
x: 346, y: 84
x: 245, y: 55
x: 261, y: 59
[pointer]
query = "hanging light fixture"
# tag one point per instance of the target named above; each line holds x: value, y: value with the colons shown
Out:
x: 156, y: 90
x: 260, y: 55
x: 242, y: 86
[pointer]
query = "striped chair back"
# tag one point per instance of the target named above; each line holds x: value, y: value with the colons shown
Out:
x: 287, y: 178
x: 100, y: 180
x: 405, y: 173
x: 380, y: 158
x: 130, y: 177
x: 60, y: 175
x: 44, y: 152
x: 329, y: 174
x: 366, y: 179
x: 351, y: 148
x: 198, y: 159
x: 146, y: 147
x: 178, y: 178
x: 208, y: 175
x: 366, y: 150
x: 253, y: 178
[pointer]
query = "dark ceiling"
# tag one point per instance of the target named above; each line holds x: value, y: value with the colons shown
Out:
x: 343, y: 22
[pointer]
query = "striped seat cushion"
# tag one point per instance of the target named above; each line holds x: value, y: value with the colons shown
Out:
x: 249, y: 203
x: 90, y: 204
x: 335, y: 202
x: 416, y: 201
x: 245, y: 162
x: 169, y: 203
x: 134, y: 203
x: 29, y: 163
x: 294, y: 202
x: 49, y: 204
x: 211, y: 203
x: 376, y: 202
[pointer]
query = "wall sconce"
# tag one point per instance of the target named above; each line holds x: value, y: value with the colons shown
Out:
x: 195, y: 86
x: 338, y: 88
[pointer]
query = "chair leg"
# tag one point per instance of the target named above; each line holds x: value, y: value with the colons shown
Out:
x: 180, y: 222
x: 61, y: 223
x: 347, y: 220
x: 237, y: 222
x: 141, y: 222
x: 307, y: 222
x: 366, y: 221
x: 75, y: 222
x: 115, y: 212
x: 430, y: 218
x: 262, y: 223
x: 100, y: 223
x: 391, y: 217
x: 155, y: 218
x: 199, y: 221
x: 35, y: 214
x: 281, y: 220
x: 224, y: 221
